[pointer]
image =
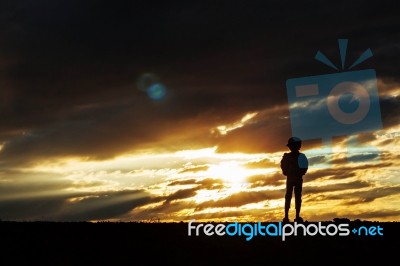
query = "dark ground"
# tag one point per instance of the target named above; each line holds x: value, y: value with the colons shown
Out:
x: 51, y: 243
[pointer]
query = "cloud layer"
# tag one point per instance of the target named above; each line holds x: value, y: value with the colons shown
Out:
x: 75, y: 79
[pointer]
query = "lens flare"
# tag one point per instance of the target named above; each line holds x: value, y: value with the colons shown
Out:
x: 150, y: 83
x: 157, y: 91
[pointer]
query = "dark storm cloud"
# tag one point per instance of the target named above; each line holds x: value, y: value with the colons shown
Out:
x: 390, y: 110
x: 26, y: 184
x: 161, y: 211
x: 105, y: 205
x: 180, y: 194
x: 91, y: 206
x: 183, y: 182
x: 344, y: 172
x: 165, y: 210
x: 332, y: 173
x: 268, y: 132
x: 32, y: 187
x: 319, y: 159
x: 264, y: 163
x: 367, y: 157
x: 70, y: 69
x: 195, y: 169
x: 242, y: 198
x: 275, y: 179
x: 42, y: 208
x: 335, y: 187
x: 208, y: 183
x: 366, y: 196
x: 339, y: 168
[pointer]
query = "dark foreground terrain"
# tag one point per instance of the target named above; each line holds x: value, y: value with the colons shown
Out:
x: 51, y: 243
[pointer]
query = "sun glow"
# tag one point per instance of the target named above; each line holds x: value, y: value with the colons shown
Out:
x: 230, y: 172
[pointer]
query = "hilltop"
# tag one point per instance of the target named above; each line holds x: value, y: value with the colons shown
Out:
x: 67, y: 243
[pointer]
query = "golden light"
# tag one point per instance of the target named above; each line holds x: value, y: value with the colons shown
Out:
x: 199, y: 153
x: 230, y: 172
x: 224, y: 129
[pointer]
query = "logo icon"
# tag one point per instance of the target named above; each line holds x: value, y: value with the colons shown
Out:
x: 340, y: 104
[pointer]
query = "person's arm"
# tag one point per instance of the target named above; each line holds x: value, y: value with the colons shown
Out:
x: 284, y: 164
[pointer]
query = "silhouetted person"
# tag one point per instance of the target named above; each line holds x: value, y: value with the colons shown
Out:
x: 294, y: 165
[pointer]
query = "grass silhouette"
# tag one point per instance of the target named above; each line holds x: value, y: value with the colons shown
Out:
x: 114, y: 243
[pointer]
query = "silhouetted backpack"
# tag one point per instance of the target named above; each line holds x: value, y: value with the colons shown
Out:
x: 294, y: 164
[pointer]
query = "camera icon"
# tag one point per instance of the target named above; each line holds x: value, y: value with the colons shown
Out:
x: 339, y: 104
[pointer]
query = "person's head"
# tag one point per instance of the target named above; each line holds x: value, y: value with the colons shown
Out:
x: 294, y: 144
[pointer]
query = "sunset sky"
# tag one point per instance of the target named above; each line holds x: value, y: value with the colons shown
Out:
x: 178, y: 110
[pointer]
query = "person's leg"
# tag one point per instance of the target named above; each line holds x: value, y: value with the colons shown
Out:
x: 288, y: 198
x: 297, y: 197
